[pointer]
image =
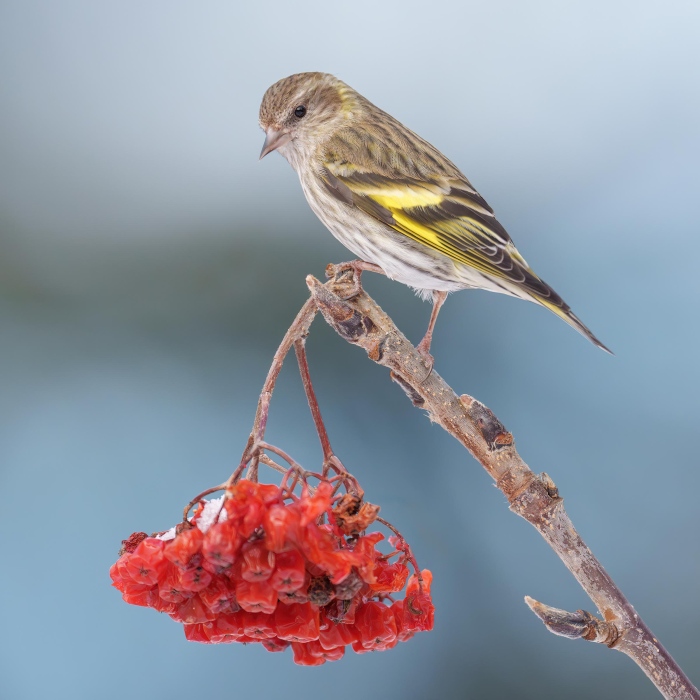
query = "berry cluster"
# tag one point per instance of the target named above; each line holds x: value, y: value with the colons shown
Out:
x: 264, y: 565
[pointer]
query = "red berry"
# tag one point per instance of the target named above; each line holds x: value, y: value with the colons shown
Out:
x: 418, y: 608
x: 418, y: 612
x: 256, y: 596
x: 258, y: 562
x: 275, y: 644
x: 303, y: 655
x: 192, y: 611
x: 316, y: 649
x: 338, y: 635
x: 171, y: 589
x: 366, y: 555
x: 402, y: 634
x: 293, y: 596
x: 164, y: 606
x: 315, y: 505
x: 359, y: 649
x: 220, y: 545
x: 147, y: 597
x: 245, y: 507
x: 268, y: 493
x: 195, y: 578
x: 390, y: 645
x: 226, y: 628
x: 118, y: 571
x: 414, y: 586
x: 219, y: 596
x: 279, y: 523
x: 181, y: 550
x: 258, y: 626
x: 289, y: 573
x: 146, y: 562
x: 297, y: 622
x: 376, y: 625
x: 196, y: 633
x: 321, y: 547
x: 389, y: 578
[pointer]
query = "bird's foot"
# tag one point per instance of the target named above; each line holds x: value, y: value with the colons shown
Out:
x: 423, y: 349
x: 424, y: 346
x: 349, y: 274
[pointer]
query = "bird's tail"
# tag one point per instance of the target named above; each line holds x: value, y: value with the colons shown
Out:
x: 565, y: 313
x: 534, y: 288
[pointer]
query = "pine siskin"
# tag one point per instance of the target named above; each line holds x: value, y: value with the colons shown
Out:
x: 393, y: 199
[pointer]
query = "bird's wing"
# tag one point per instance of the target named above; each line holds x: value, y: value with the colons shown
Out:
x: 441, y: 211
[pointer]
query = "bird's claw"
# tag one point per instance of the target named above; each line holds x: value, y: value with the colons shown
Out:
x: 346, y: 275
x: 339, y: 273
x: 423, y: 349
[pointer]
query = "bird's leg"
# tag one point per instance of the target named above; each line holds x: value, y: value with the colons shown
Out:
x: 339, y: 272
x: 424, y: 346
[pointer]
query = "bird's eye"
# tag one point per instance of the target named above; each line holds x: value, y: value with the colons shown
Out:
x: 300, y: 111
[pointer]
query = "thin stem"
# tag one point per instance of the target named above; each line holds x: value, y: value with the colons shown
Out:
x: 300, y: 350
x: 272, y: 464
x: 281, y: 453
x: 290, y: 489
x: 252, y: 473
x: 198, y: 498
x: 348, y: 480
x: 408, y: 552
x: 299, y: 328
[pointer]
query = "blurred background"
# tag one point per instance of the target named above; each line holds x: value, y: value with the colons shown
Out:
x: 149, y: 266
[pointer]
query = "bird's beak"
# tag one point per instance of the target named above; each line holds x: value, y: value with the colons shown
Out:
x: 273, y: 140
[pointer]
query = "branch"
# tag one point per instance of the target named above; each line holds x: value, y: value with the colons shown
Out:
x: 359, y: 320
x: 297, y: 331
x: 299, y: 348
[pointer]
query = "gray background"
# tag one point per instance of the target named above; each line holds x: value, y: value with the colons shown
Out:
x: 149, y: 266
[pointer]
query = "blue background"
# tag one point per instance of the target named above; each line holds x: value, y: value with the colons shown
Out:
x: 149, y: 266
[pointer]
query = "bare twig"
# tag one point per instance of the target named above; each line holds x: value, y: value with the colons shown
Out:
x: 298, y: 329
x: 281, y: 453
x: 534, y: 497
x: 299, y: 348
x: 272, y: 464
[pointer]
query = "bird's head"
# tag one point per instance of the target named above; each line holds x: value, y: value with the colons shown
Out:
x: 299, y: 112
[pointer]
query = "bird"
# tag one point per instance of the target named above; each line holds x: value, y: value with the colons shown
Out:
x: 394, y: 200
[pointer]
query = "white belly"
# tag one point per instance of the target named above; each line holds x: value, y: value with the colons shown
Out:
x: 401, y: 258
